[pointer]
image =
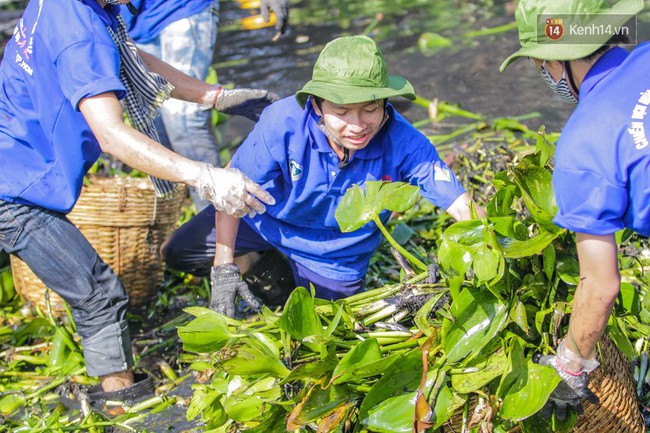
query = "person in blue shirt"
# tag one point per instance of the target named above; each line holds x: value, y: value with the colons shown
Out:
x: 184, y: 34
x: 306, y: 151
x: 67, y: 73
x: 601, y: 177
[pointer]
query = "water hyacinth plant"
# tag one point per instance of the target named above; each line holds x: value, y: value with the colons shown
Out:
x: 445, y: 347
x: 417, y: 355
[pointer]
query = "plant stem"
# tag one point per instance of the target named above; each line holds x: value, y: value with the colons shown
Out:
x: 411, y: 258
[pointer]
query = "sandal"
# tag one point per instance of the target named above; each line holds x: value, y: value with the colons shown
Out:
x: 142, y: 388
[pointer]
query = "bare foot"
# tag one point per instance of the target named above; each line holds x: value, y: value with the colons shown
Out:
x: 116, y: 381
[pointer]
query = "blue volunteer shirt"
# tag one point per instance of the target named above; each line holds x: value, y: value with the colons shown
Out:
x: 60, y: 53
x: 602, y: 169
x: 155, y: 15
x: 290, y: 157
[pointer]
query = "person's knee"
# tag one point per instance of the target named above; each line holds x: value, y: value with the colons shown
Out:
x: 180, y: 255
x: 172, y: 253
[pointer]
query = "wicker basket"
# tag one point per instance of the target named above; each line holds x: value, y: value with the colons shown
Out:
x: 126, y: 224
x: 618, y: 410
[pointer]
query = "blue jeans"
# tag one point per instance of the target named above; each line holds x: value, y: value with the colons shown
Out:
x: 64, y: 260
x: 188, y: 45
x: 191, y: 249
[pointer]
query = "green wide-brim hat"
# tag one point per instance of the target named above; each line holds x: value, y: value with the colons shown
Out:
x: 590, y: 15
x: 350, y: 70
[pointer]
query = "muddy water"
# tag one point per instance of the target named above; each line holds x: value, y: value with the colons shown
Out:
x: 466, y: 72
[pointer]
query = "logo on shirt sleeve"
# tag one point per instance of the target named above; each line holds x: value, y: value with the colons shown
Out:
x: 637, y: 128
x: 441, y: 173
x: 295, y: 169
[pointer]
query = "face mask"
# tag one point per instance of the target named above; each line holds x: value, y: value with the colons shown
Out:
x: 560, y: 87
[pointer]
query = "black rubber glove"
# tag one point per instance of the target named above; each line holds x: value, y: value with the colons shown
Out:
x: 281, y: 9
x: 569, y: 393
x: 245, y: 102
x: 226, y: 285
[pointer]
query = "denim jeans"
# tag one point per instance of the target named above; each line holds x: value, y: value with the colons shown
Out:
x: 191, y: 249
x: 64, y: 260
x: 188, y: 45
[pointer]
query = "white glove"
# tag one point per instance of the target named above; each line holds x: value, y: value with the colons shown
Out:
x: 230, y: 191
x: 570, y: 392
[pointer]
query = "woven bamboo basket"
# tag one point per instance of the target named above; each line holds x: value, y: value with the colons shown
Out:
x: 126, y: 224
x: 618, y: 410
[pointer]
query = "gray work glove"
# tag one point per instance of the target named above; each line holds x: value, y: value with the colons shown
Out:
x: 226, y: 285
x: 570, y: 392
x: 244, y: 102
x: 281, y: 9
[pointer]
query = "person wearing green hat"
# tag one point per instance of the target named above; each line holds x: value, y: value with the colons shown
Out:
x: 306, y: 151
x: 601, y: 177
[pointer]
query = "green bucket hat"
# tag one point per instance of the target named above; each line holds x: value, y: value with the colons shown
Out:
x: 585, y: 15
x: 351, y: 69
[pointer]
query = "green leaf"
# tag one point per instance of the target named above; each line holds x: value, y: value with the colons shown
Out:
x: 321, y: 401
x: 515, y: 249
x: 526, y: 386
x: 445, y: 405
x: 459, y: 243
x: 549, y: 261
x: 501, y: 203
x: 568, y: 270
x: 275, y: 421
x: 393, y: 415
x: 529, y: 392
x: 33, y: 329
x: 10, y: 403
x: 616, y: 331
x: 311, y: 370
x: 628, y: 300
x: 480, y: 373
x: 518, y: 315
x: 206, y: 333
x: 251, y: 401
x: 479, y: 317
x: 59, y: 351
x: 299, y: 318
x: 357, y: 209
x: 486, y: 263
x: 363, y: 354
x: 7, y: 289
x: 253, y: 358
x: 401, y: 378
x: 422, y: 316
x: 396, y: 413
x: 206, y: 402
x: 536, y: 188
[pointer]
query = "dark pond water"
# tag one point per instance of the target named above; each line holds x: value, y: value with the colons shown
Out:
x: 465, y: 72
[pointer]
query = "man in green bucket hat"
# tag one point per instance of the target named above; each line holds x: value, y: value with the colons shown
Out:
x: 602, y: 163
x: 306, y: 151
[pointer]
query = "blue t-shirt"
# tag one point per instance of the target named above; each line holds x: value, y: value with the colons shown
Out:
x: 602, y: 168
x: 60, y: 53
x: 155, y: 15
x: 290, y: 157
